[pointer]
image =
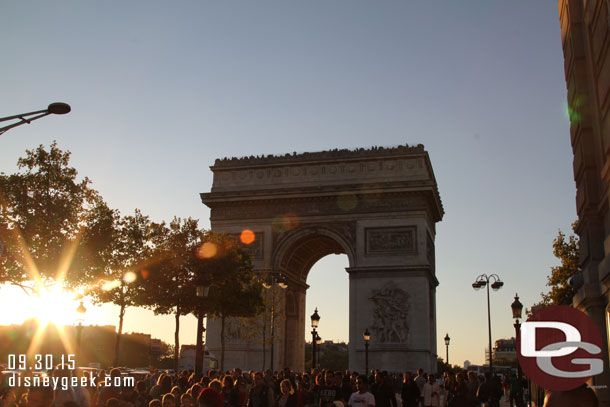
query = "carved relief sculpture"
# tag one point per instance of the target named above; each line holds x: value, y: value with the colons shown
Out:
x: 390, y: 314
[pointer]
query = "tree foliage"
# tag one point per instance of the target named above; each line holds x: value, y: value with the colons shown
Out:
x: 133, y: 244
x: 54, y: 226
x: 235, y: 290
x: 566, y: 249
x: 168, y: 285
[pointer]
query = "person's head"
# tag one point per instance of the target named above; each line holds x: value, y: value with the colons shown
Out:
x: 258, y: 379
x: 141, y: 387
x: 286, y: 387
x: 40, y: 396
x: 420, y: 371
x: 431, y: 379
x: 361, y: 383
x: 154, y: 403
x: 378, y: 378
x: 216, y: 385
x: 578, y: 397
x: 113, y: 402
x: 227, y: 382
x: 186, y: 400
x: 114, y: 373
x: 176, y: 392
x: 8, y: 397
x: 209, y: 398
x: 166, y: 383
x: 319, y: 379
x: 168, y: 400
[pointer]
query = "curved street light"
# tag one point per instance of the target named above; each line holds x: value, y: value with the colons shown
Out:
x: 494, y: 281
x: 53, y: 108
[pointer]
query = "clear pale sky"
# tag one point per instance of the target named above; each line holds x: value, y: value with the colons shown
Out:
x: 160, y: 89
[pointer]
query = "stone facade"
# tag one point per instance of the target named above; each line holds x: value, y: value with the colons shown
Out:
x: 585, y: 36
x: 378, y: 206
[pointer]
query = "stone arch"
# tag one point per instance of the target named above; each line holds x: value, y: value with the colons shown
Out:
x: 379, y: 206
x: 298, y: 250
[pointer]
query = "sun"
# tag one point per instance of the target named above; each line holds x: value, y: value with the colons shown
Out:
x: 50, y: 305
x: 55, y: 306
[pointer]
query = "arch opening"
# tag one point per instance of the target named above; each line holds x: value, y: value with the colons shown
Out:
x: 329, y: 292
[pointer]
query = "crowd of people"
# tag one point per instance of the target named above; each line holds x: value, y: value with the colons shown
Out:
x: 285, y: 388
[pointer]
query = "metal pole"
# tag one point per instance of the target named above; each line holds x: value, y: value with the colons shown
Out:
x: 491, y: 362
x: 447, y: 359
x: 199, y: 355
x: 272, y: 321
x: 366, y: 358
x: 313, y: 348
x: 79, y: 331
x: 519, y: 372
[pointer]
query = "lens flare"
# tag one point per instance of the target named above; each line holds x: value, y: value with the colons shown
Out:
x: 290, y: 221
x: 247, y: 236
x: 129, y: 277
x: 145, y: 273
x: 370, y: 193
x: 110, y: 285
x: 285, y: 222
x: 207, y: 250
x: 347, y: 201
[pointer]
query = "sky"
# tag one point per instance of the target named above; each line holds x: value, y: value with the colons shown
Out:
x: 159, y: 90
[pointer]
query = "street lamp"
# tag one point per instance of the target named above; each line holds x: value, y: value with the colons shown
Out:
x: 274, y: 278
x: 53, y: 108
x: 517, y: 308
x: 447, y: 339
x: 202, y: 291
x: 315, y: 320
x: 367, y: 337
x: 80, y: 310
x: 485, y: 281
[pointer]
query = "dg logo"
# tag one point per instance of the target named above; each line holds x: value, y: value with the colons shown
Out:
x: 560, y: 348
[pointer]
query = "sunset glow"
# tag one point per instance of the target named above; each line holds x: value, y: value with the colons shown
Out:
x: 52, y: 305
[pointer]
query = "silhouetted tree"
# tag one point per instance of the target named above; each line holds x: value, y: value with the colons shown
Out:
x: 54, y: 228
x: 567, y: 251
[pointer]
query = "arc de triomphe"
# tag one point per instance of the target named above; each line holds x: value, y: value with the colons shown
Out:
x: 378, y: 206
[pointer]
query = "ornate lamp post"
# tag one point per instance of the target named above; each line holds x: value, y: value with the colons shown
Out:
x: 202, y: 292
x: 367, y: 337
x: 80, y: 310
x: 517, y: 308
x: 495, y: 282
x: 447, y: 339
x: 274, y: 278
x: 53, y: 108
x: 315, y: 320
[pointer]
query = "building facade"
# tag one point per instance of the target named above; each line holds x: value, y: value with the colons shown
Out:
x: 585, y: 37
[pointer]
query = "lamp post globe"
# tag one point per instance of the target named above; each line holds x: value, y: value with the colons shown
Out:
x: 59, y: 108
